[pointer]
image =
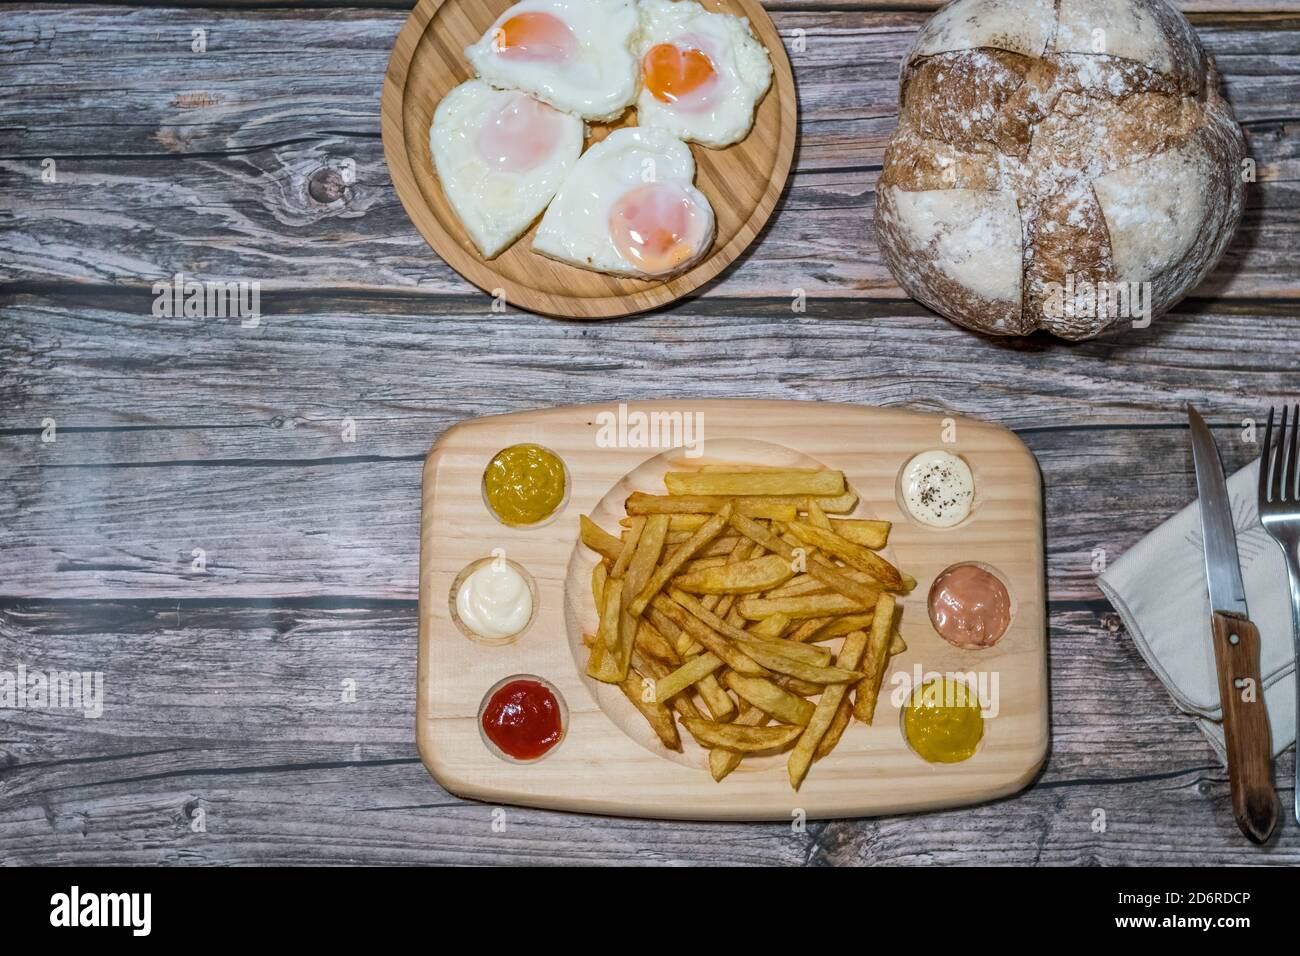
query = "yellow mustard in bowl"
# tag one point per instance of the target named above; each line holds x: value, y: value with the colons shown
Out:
x: 524, y: 484
x: 943, y: 721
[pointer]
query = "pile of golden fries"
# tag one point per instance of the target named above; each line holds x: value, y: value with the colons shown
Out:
x: 715, y: 602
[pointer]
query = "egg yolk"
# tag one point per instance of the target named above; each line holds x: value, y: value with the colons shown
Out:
x: 656, y: 227
x: 519, y: 135
x: 534, y: 36
x: 672, y: 74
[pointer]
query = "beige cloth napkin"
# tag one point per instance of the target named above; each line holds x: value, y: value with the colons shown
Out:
x: 1159, y: 590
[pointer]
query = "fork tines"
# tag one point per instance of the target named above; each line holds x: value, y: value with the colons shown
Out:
x: 1279, y: 472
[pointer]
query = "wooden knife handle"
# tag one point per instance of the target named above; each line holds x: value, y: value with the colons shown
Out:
x: 1245, y: 725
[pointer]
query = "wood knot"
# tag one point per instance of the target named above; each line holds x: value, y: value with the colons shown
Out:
x: 194, y: 101
x: 327, y: 186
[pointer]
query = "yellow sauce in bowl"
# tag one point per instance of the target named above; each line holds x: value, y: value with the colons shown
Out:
x: 524, y: 484
x: 943, y: 721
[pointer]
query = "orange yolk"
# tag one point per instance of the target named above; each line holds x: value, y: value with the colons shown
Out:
x: 672, y: 73
x: 519, y: 135
x: 657, y: 227
x: 534, y: 36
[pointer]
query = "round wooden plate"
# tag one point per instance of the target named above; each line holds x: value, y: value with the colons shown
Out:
x: 742, y: 182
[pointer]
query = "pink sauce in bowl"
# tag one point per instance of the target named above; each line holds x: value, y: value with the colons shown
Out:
x: 969, y: 606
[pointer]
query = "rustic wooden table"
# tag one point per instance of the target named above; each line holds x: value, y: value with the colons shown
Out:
x: 202, y: 530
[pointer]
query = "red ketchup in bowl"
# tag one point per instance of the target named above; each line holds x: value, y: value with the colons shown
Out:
x: 523, y: 719
x: 969, y: 606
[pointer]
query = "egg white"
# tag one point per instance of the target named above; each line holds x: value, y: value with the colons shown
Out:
x: 575, y: 228
x: 743, y: 67
x: 599, y: 84
x: 496, y: 207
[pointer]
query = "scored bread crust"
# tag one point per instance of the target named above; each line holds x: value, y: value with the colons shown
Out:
x: 1023, y: 158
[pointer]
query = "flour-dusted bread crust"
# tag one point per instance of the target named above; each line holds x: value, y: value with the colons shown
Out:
x: 972, y: 239
x: 1049, y: 145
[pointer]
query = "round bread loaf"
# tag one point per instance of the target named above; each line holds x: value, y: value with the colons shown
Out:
x: 1066, y: 165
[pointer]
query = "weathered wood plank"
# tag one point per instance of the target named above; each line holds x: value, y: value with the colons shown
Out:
x: 231, y: 440
x: 240, y: 714
x: 206, y: 163
x: 393, y: 815
x: 349, y: 525
x: 410, y: 365
x: 271, y: 673
x: 1193, y: 8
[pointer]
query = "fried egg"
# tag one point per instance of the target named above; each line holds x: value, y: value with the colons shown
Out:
x: 703, y: 74
x: 501, y: 155
x: 629, y: 208
x: 574, y: 54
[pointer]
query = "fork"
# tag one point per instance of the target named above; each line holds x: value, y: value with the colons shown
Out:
x: 1279, y: 513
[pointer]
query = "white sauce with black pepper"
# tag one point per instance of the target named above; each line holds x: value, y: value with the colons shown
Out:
x: 938, y: 488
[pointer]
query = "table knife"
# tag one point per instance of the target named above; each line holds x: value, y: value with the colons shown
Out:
x: 1236, y: 648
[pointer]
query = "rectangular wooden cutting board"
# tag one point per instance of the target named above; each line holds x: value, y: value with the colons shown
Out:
x: 609, y: 761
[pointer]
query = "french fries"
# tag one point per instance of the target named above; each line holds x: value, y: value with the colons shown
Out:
x: 650, y: 545
x: 720, y: 606
x: 657, y: 715
x: 726, y: 650
x: 827, y: 706
x: 807, y: 653
x: 768, y: 697
x: 839, y: 505
x: 719, y: 547
x: 734, y: 484
x: 689, y: 673
x: 743, y: 577
x: 701, y: 612
x: 873, y: 661
x: 681, y: 703
x: 721, y: 760
x: 742, y: 739
x: 650, y: 642
x: 598, y: 539
x: 838, y: 627
x: 630, y: 539
x: 702, y: 536
x: 810, y: 605
x: 676, y: 522
x: 769, y: 627
x: 641, y: 504
x: 813, y: 673
x: 717, y: 700
x: 802, y: 584
x: 828, y: 574
x: 869, y: 534
x: 602, y: 665
x: 854, y: 555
